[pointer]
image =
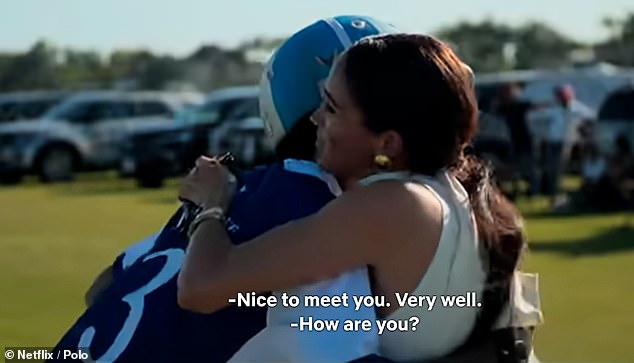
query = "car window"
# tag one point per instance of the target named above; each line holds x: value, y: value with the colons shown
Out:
x: 228, y: 108
x: 211, y: 106
x: 89, y: 112
x: 14, y: 110
x: 7, y: 111
x: 234, y: 108
x: 248, y: 107
x: 35, y: 109
x: 77, y: 112
x: 152, y: 108
x: 619, y: 105
x: 210, y: 112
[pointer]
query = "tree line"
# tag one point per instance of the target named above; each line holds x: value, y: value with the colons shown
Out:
x: 487, y: 45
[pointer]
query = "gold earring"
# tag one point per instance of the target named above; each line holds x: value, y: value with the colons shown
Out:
x: 382, y: 161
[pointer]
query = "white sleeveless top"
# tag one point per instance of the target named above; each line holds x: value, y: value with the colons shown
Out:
x: 456, y: 269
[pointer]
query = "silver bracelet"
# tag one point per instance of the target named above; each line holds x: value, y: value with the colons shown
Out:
x: 211, y: 213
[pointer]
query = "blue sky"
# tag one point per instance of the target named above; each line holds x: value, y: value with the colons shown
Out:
x: 178, y: 27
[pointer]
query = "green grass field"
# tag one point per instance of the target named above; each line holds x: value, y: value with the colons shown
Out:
x: 55, y: 239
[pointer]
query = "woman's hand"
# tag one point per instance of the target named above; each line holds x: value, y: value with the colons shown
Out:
x: 209, y: 184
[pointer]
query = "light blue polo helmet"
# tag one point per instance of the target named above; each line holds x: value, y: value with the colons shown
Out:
x: 290, y: 83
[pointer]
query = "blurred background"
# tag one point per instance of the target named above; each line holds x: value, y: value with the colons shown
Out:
x: 105, y: 105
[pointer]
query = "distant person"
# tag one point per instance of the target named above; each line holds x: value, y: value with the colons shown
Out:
x: 563, y: 121
x: 514, y: 110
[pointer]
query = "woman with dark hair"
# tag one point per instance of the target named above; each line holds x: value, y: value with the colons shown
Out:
x: 398, y: 113
x: 133, y: 315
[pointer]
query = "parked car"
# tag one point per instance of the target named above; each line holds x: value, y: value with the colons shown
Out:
x: 28, y: 105
x: 224, y: 122
x: 616, y: 119
x: 84, y: 131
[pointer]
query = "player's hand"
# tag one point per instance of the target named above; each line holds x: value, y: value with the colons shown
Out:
x: 209, y: 184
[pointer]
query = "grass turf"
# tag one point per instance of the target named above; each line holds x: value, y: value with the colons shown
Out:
x: 54, y: 239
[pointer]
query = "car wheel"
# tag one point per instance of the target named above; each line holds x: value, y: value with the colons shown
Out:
x: 56, y: 164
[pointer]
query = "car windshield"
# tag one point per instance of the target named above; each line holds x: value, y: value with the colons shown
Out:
x: 66, y: 111
x: 247, y: 107
x: 206, y: 113
x: 216, y: 110
x: 14, y: 110
x: 91, y: 110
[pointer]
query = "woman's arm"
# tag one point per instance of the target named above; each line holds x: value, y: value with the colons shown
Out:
x: 342, y: 236
x: 361, y: 227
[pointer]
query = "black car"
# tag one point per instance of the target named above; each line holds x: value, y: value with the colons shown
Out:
x: 152, y: 155
x: 616, y: 120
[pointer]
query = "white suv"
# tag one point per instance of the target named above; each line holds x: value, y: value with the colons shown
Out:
x: 83, y: 132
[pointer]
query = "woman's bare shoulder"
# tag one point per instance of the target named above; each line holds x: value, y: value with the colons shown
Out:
x: 395, y: 202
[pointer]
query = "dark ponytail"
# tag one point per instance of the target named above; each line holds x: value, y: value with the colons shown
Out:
x: 502, y: 235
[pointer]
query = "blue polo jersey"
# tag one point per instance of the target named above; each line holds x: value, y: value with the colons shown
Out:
x: 137, y: 318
